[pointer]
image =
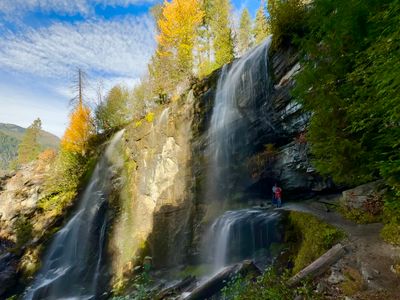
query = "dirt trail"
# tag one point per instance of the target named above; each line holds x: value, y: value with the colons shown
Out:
x: 366, y: 251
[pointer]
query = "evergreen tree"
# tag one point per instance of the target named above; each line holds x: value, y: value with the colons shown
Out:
x: 113, y: 112
x: 204, y: 49
x: 261, y: 27
x: 244, y: 35
x: 29, y: 147
x: 222, y: 32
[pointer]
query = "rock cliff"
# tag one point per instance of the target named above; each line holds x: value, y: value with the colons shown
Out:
x: 163, y: 207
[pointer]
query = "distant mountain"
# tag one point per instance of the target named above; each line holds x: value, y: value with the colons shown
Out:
x: 10, y: 137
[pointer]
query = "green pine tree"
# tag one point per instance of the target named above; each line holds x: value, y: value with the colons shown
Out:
x: 222, y: 32
x: 113, y: 112
x: 261, y: 27
x: 204, y: 49
x: 244, y: 34
x: 29, y: 147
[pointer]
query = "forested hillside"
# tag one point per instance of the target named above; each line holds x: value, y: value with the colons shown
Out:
x: 10, y: 138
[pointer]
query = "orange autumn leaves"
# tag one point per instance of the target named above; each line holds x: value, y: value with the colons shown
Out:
x: 178, y: 25
x: 76, y: 136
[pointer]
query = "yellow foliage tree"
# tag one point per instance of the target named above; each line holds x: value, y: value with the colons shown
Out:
x: 80, y: 128
x: 178, y: 28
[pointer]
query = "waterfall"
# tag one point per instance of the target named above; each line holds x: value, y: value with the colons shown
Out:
x: 237, y: 112
x: 241, y: 107
x: 73, y: 267
x: 242, y: 234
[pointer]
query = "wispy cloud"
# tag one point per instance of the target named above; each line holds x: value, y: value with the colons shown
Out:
x: 65, y: 7
x: 120, y: 48
x: 37, y: 64
x: 117, y: 48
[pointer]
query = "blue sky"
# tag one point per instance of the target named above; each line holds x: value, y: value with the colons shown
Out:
x: 44, y: 42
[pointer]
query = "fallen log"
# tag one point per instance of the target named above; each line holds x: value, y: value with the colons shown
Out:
x: 320, y: 265
x: 176, y: 288
x: 214, y: 285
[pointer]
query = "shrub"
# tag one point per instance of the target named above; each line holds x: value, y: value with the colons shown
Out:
x: 391, y: 233
x: 150, y: 117
x: 23, y: 230
x: 269, y: 286
x: 391, y: 218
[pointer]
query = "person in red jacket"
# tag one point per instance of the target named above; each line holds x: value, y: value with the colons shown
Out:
x: 278, y: 195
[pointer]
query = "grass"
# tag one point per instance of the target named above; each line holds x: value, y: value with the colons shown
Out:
x: 315, y: 236
x: 269, y: 286
x: 358, y: 215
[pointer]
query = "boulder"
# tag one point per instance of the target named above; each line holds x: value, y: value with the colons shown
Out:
x: 363, y: 196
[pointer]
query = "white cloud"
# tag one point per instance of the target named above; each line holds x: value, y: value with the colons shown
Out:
x: 37, y: 64
x: 21, y: 104
x: 11, y: 8
x: 117, y: 48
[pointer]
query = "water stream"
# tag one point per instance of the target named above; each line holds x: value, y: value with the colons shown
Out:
x: 73, y: 267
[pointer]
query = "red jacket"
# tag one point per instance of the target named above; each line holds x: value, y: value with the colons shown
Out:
x: 278, y: 193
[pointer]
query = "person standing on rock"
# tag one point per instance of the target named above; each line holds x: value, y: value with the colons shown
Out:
x: 273, y: 194
x: 277, y: 195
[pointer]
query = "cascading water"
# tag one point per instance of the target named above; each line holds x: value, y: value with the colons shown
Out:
x: 73, y: 267
x: 237, y: 114
x: 242, y: 96
x: 243, y: 234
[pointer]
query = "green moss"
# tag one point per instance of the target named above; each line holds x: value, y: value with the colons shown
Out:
x: 197, y: 271
x: 315, y: 236
x: 353, y: 283
x: 391, y: 233
x: 56, y: 204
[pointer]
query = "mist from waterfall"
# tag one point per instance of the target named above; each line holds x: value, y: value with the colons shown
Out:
x: 73, y: 267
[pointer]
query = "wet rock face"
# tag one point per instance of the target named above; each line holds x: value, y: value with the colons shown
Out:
x: 272, y: 117
x: 8, y: 272
x: 157, y: 205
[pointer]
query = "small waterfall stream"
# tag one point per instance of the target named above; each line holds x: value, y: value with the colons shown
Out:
x: 242, y: 234
x: 73, y: 267
x: 246, y: 233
